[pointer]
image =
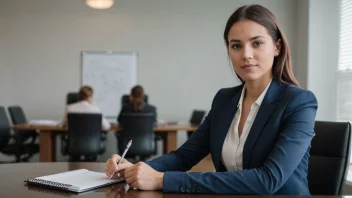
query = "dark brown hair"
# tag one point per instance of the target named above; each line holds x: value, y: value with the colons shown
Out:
x: 137, y: 94
x: 85, y: 92
x: 282, y: 66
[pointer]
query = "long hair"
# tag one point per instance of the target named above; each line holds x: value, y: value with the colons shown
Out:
x: 282, y: 66
x: 85, y: 92
x: 137, y: 93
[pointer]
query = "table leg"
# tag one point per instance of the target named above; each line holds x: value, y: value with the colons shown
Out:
x: 47, y: 146
x: 170, y: 141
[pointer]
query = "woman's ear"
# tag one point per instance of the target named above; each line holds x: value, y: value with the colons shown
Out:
x: 277, y: 48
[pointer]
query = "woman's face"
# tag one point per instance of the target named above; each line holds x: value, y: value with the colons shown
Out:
x: 252, y: 50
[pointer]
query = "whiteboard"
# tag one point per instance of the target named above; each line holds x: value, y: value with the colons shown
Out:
x: 111, y: 75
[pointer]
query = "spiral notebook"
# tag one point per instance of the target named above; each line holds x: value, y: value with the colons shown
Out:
x: 78, y: 181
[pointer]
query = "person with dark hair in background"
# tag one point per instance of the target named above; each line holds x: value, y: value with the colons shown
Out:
x: 258, y: 133
x: 137, y: 104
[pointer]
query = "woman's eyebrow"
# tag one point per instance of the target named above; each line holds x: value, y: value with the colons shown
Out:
x: 253, y: 38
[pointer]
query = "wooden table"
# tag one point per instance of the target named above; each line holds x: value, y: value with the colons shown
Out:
x: 13, y: 177
x: 48, y: 134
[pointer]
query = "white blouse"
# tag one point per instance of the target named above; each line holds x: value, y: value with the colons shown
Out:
x: 84, y: 107
x: 232, y: 149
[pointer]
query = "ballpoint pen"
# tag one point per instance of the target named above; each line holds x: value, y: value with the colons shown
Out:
x: 123, y: 155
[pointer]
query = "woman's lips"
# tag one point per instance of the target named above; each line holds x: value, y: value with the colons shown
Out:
x: 248, y: 67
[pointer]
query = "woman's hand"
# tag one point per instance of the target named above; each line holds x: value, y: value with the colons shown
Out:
x: 143, y: 177
x: 111, y: 166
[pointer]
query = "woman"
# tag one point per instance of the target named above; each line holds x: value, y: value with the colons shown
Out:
x: 84, y: 105
x: 258, y: 133
x: 137, y: 104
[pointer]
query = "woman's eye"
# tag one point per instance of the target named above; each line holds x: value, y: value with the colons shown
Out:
x: 236, y: 46
x: 257, y: 43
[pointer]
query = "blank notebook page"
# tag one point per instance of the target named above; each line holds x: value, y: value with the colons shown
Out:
x: 82, y: 179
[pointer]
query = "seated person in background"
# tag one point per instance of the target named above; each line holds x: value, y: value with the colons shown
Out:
x: 137, y: 104
x: 84, y: 105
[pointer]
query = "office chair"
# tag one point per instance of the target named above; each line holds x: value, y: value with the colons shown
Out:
x: 329, y: 160
x: 13, y: 145
x: 138, y: 127
x: 18, y: 117
x: 196, y: 119
x: 125, y: 99
x: 72, y: 97
x: 83, y: 136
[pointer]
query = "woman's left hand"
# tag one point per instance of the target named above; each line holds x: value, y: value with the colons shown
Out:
x: 143, y: 177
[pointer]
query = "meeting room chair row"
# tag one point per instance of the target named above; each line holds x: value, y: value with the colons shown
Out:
x: 22, y: 144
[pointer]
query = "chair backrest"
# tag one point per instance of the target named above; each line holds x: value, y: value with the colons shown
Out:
x: 126, y: 99
x: 71, y: 98
x: 329, y: 160
x: 197, y: 117
x: 17, y: 115
x: 83, y: 133
x: 5, y: 128
x: 138, y: 127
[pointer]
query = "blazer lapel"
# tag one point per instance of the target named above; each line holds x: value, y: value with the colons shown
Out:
x: 226, y: 119
x: 265, y: 111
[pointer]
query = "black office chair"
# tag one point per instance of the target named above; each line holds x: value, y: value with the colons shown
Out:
x: 125, y: 99
x: 196, y: 119
x: 138, y: 127
x: 13, y: 145
x: 329, y: 160
x: 72, y: 97
x: 18, y: 117
x: 84, y: 130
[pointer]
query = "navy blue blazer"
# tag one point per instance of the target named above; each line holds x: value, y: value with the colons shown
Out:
x: 275, y: 154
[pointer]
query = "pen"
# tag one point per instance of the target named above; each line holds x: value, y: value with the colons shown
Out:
x: 123, y: 155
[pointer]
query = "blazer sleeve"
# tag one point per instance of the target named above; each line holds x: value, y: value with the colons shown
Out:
x: 190, y: 153
x: 295, y: 138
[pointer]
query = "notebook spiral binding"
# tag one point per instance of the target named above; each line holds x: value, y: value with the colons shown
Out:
x: 56, y: 185
x: 50, y: 191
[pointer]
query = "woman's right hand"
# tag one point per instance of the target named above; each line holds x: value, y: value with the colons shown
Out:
x: 111, y: 166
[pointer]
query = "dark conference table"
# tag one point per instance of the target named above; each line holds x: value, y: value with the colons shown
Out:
x: 13, y: 176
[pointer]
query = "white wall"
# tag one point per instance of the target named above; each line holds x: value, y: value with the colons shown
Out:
x: 4, y: 71
x: 182, y: 58
x: 301, y: 65
x: 323, y: 55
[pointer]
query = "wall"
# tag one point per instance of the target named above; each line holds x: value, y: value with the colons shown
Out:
x: 301, y: 40
x: 6, y: 81
x: 323, y: 55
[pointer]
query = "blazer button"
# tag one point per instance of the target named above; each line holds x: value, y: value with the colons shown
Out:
x: 199, y: 190
x: 182, y: 189
x: 189, y: 190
